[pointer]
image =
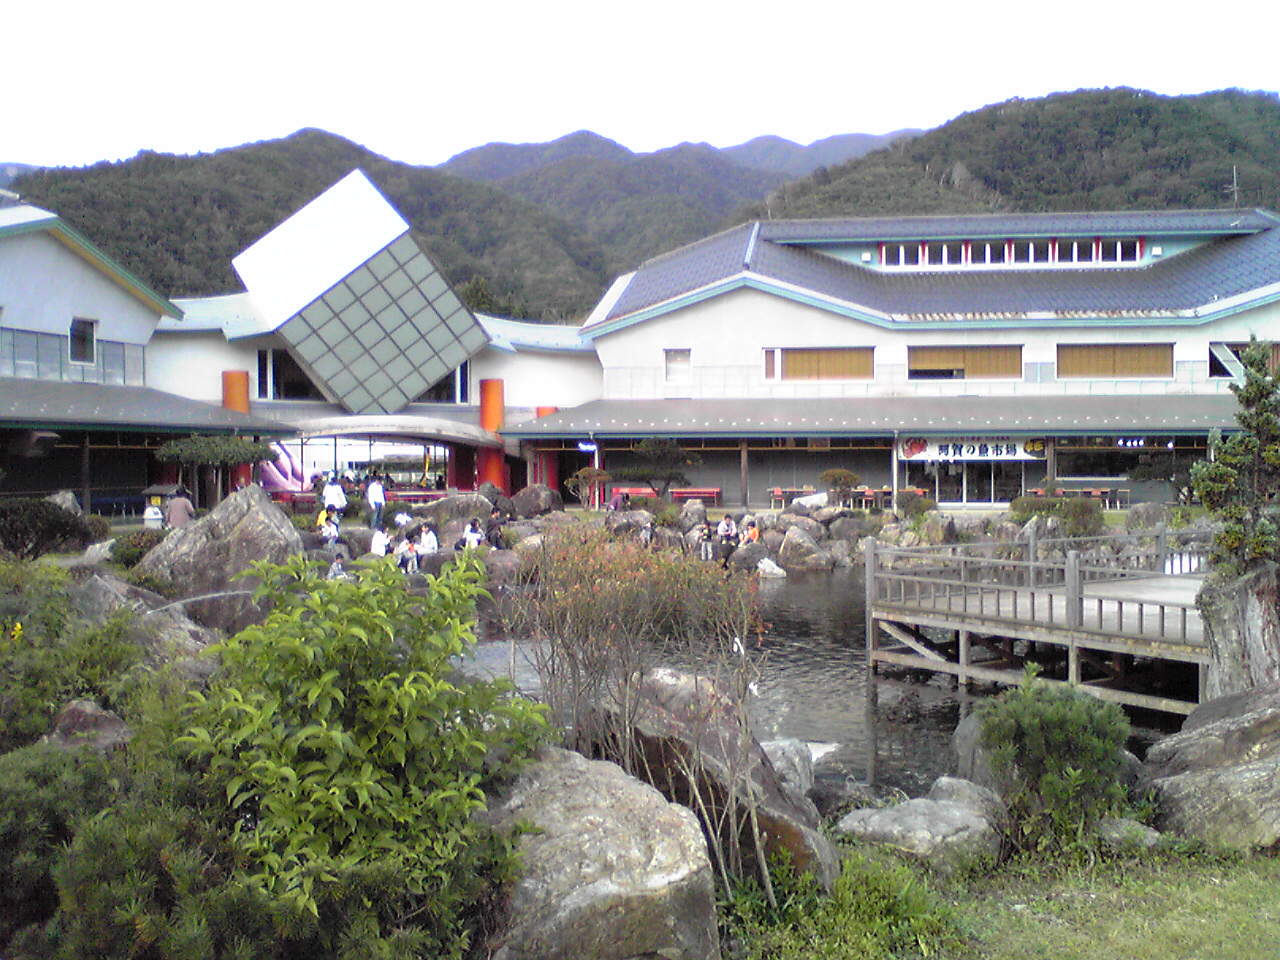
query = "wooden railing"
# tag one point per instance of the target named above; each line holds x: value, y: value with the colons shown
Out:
x: 1046, y: 583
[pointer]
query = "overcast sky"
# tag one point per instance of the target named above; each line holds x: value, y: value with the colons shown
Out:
x: 421, y: 81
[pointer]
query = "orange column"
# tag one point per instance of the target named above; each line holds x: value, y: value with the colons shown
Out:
x: 235, y: 396
x: 490, y: 461
x: 547, y: 463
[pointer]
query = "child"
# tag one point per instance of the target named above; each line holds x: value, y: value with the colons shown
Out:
x: 707, y: 541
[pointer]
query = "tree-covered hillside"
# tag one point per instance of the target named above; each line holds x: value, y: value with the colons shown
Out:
x: 1091, y: 150
x: 177, y: 221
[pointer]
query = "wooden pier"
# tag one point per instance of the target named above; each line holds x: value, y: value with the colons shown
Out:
x: 1102, y: 613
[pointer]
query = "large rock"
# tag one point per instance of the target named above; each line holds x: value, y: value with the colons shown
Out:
x: 848, y: 528
x: 535, y: 500
x: 630, y: 523
x: 459, y: 506
x: 789, y: 521
x: 502, y: 568
x: 1233, y: 705
x: 800, y: 552
x: 692, y: 514
x: 972, y: 795
x: 937, y: 529
x: 67, y: 501
x: 748, y: 555
x: 610, y: 870
x: 792, y: 761
x: 945, y: 834
x: 678, y: 720
x: 203, y: 556
x: 82, y: 723
x: 1233, y: 740
x: 770, y: 570
x: 1241, y: 619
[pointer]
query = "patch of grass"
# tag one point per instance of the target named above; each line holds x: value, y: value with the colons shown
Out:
x: 1185, y: 908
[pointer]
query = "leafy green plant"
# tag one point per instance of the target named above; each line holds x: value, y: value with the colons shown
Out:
x: 31, y: 528
x: 877, y: 908
x: 1056, y: 754
x: 581, y: 483
x: 659, y: 462
x: 1077, y: 516
x: 346, y: 746
x: 839, y: 482
x: 132, y: 547
x: 99, y: 527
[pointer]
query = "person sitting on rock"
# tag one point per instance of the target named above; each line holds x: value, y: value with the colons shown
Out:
x: 406, y: 554
x: 493, y: 530
x: 337, y: 571
x: 727, y: 531
x: 329, y: 532
x: 473, y: 536
x: 428, y: 539
x: 380, y: 543
x: 751, y: 533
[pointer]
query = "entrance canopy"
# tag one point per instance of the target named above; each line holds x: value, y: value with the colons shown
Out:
x: 399, y: 427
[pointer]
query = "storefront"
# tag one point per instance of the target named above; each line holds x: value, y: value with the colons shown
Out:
x: 972, y: 470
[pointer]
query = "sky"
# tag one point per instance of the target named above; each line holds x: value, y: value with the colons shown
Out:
x: 421, y: 81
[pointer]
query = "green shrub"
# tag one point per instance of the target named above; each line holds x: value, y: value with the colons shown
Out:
x: 911, y: 505
x: 1077, y: 516
x: 44, y: 791
x: 350, y: 754
x: 31, y: 528
x: 99, y: 527
x: 132, y: 547
x: 304, y: 522
x: 877, y: 908
x: 1056, y: 754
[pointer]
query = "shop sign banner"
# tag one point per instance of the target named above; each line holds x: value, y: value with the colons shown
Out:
x: 971, y: 448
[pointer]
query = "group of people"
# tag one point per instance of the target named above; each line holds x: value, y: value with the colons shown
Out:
x: 719, y: 541
x: 407, y: 545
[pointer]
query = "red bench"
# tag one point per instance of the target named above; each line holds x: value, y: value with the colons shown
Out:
x: 696, y: 493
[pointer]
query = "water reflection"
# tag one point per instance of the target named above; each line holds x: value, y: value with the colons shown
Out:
x: 814, y: 687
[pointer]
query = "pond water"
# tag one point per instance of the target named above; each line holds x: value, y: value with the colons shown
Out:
x: 814, y: 687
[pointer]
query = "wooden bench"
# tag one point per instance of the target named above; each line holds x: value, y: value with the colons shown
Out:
x: 696, y: 493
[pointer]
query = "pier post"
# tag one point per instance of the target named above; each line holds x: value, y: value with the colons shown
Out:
x: 1033, y: 554
x: 1075, y: 599
x: 1162, y: 549
x: 869, y: 566
x: 964, y: 659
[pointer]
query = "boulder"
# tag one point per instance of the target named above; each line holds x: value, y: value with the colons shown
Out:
x: 825, y: 515
x: 792, y: 761
x: 502, y: 568
x: 1146, y: 516
x: 800, y: 552
x: 847, y: 528
x: 491, y: 492
x: 770, y: 570
x: 795, y: 509
x: 972, y: 762
x: 67, y: 501
x: 1241, y: 617
x: 1005, y: 531
x: 945, y: 834
x: 968, y: 523
x: 937, y: 529
x: 972, y: 795
x: 1119, y: 835
x: 82, y: 723
x: 96, y: 553
x: 430, y: 564
x: 528, y: 549
x: 610, y: 870
x: 789, y: 521
x: 1230, y: 741
x: 459, y: 506
x: 668, y: 538
x: 772, y: 540
x: 204, y: 555
x: 841, y: 553
x: 748, y: 555
x: 692, y: 514
x: 1237, y: 807
x: 766, y: 521
x: 535, y: 500
x: 811, y: 502
x: 678, y: 720
x: 637, y: 524
x: 1233, y: 705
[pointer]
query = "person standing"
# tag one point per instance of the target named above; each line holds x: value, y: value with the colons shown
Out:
x: 707, y: 541
x: 377, y: 497
x: 334, y: 496
x: 179, y: 511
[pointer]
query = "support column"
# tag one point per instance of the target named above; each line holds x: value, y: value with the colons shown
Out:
x: 964, y: 659
x: 235, y: 396
x: 893, y: 473
x: 86, y: 493
x: 490, y: 460
x: 742, y: 470
x: 547, y: 461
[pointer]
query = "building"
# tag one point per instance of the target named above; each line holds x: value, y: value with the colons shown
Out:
x: 78, y: 405
x: 966, y: 356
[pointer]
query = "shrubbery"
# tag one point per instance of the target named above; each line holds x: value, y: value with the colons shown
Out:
x: 1078, y: 516
x: 911, y: 505
x: 99, y: 527
x: 132, y: 547
x: 1056, y: 753
x: 31, y: 528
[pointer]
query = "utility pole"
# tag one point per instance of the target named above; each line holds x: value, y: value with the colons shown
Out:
x: 1234, y: 189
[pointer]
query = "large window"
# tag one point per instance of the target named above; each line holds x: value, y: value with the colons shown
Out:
x: 1223, y: 356
x: 1115, y: 360
x: 677, y: 364
x: 280, y: 378
x: 821, y: 363
x: 82, y: 341
x: 964, y: 363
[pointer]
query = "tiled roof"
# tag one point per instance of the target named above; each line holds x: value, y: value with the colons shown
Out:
x: 885, y: 416
x: 54, y: 403
x: 1232, y: 265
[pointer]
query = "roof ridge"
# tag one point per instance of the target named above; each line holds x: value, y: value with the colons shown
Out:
x: 701, y: 241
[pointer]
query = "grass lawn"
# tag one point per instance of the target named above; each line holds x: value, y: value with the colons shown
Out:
x: 1178, y: 909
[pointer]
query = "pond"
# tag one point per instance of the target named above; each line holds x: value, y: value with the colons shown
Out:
x: 814, y: 687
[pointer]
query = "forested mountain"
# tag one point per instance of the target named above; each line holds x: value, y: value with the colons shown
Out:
x: 11, y: 171
x: 1091, y: 150
x: 789, y: 157
x: 177, y: 221
x: 637, y: 205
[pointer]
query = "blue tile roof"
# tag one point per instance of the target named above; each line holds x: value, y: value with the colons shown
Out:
x: 1241, y: 254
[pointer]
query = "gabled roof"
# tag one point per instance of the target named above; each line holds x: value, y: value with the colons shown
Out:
x: 1237, y: 265
x: 24, y: 218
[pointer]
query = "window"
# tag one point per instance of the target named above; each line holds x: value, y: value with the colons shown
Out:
x: 1115, y: 360
x: 1075, y: 251
x: 900, y: 254
x: 986, y: 251
x: 1030, y: 251
x: 1119, y: 251
x: 944, y: 254
x: 280, y: 378
x: 676, y: 364
x: 964, y: 363
x: 821, y: 363
x: 82, y: 341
